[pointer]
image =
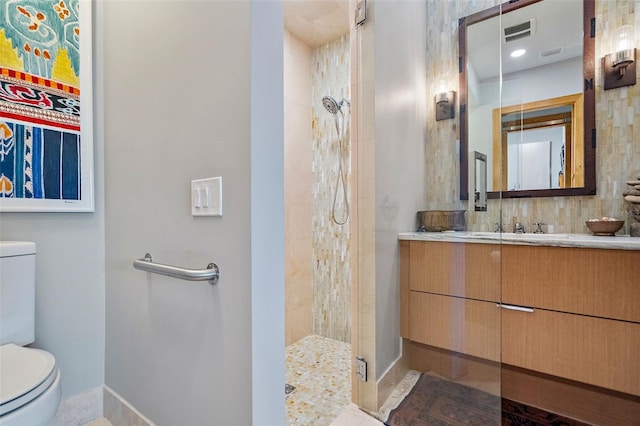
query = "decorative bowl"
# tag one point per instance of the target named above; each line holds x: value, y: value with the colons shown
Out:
x: 604, y: 227
x: 441, y: 220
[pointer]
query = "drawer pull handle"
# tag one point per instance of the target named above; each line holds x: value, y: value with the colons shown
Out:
x: 514, y: 307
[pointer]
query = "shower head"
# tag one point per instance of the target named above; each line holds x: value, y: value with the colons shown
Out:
x: 332, y: 105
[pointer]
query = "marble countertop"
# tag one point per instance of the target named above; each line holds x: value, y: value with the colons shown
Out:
x: 618, y: 242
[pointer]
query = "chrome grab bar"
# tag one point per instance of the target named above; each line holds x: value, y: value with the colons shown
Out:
x: 211, y: 274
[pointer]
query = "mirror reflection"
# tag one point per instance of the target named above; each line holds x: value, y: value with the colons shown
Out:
x: 523, y: 100
x: 543, y: 143
x: 480, y: 182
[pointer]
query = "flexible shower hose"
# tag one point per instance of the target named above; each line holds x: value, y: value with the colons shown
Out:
x: 340, y: 180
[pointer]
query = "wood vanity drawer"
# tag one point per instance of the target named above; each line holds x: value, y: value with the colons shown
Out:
x: 597, y: 282
x: 470, y: 327
x: 591, y: 350
x: 457, y: 269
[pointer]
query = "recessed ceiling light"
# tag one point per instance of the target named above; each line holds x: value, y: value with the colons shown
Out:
x: 517, y: 53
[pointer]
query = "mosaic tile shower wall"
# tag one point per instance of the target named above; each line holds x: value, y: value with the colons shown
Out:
x: 617, y: 124
x: 331, y: 271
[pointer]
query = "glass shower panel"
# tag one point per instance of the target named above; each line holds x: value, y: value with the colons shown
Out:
x: 451, y: 281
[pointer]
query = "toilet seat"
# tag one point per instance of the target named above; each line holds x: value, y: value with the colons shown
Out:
x: 25, y: 373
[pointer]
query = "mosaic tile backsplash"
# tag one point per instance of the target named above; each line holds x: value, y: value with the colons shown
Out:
x: 331, y: 272
x: 617, y: 123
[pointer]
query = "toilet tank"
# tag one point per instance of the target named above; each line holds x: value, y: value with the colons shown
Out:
x: 17, y: 292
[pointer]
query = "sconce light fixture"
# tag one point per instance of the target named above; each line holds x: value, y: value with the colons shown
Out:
x: 620, y: 66
x: 445, y: 105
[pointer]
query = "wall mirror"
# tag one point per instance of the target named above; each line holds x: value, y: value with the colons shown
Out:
x: 527, y: 98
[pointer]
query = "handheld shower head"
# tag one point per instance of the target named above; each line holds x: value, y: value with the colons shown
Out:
x: 330, y: 104
x: 333, y: 106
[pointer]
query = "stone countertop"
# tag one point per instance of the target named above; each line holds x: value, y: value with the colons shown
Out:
x: 618, y: 242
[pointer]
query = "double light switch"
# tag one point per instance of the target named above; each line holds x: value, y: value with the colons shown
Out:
x: 206, y: 197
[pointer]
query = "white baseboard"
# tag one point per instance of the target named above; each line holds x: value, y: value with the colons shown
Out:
x: 391, y: 378
x: 120, y: 413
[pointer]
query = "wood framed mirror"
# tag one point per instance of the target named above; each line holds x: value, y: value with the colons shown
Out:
x: 502, y: 99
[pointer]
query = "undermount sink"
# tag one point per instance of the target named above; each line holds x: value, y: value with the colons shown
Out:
x: 515, y: 236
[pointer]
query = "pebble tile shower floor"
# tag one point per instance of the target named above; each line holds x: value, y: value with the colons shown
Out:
x: 319, y: 368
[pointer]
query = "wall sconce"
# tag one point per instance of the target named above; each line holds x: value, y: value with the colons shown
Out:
x: 620, y: 67
x: 445, y: 105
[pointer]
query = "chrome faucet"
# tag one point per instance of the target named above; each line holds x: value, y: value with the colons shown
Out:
x: 518, y: 228
x: 539, y: 228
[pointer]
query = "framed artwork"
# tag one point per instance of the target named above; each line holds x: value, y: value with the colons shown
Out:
x: 46, y: 125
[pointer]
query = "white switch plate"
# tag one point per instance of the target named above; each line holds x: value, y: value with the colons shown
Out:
x: 206, y: 197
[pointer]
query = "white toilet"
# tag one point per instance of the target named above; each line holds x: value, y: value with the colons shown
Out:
x: 29, y: 378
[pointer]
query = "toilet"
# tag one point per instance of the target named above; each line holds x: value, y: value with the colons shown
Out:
x: 30, y: 392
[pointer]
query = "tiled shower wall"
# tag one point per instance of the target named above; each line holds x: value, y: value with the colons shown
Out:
x: 617, y: 123
x: 331, y: 269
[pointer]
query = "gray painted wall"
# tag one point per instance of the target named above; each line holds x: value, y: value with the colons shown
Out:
x: 177, y: 106
x: 400, y: 113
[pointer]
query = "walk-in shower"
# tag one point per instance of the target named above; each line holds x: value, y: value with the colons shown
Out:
x: 342, y: 131
x: 318, y: 255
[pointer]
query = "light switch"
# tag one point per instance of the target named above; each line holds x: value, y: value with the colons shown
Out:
x: 206, y: 197
x: 198, y: 195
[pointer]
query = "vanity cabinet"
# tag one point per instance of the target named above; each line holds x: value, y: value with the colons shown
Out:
x: 442, y: 268
x: 582, y: 307
x: 585, y: 323
x: 597, y: 351
x: 595, y: 282
x: 462, y: 325
x: 443, y: 304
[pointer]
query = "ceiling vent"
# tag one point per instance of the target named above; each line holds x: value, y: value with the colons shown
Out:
x: 550, y: 52
x: 519, y: 31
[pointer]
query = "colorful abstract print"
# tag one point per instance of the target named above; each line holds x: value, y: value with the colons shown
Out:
x: 37, y: 162
x: 40, y: 99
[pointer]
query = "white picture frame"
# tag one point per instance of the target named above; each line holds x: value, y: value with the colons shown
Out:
x: 86, y: 203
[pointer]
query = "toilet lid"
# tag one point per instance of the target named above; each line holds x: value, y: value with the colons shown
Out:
x: 24, y: 374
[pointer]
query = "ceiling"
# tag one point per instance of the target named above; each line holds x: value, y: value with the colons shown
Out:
x: 558, y: 25
x: 316, y: 22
